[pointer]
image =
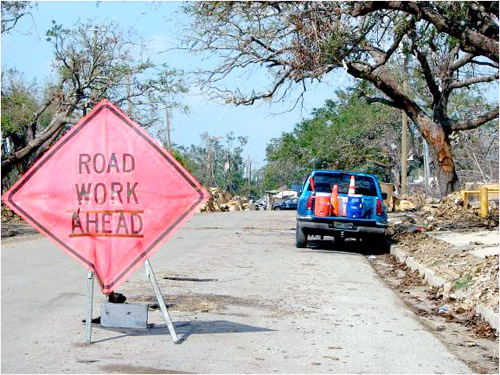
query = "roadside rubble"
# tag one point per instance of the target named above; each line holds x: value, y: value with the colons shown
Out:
x: 223, y: 201
x: 421, y: 213
x: 471, y: 280
x: 8, y: 215
x: 469, y: 337
x: 468, y: 282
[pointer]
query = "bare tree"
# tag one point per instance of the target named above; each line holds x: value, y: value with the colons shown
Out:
x: 454, y: 47
x: 92, y: 62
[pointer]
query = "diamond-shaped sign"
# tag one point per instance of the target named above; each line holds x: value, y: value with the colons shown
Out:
x: 107, y: 194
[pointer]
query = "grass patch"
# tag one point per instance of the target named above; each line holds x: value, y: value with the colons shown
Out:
x: 462, y: 283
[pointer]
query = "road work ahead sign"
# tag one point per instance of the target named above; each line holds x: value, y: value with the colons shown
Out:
x: 107, y: 194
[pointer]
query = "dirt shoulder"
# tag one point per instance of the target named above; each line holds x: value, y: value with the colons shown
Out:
x: 461, y: 330
x: 13, y: 229
x: 458, y: 250
x: 13, y: 225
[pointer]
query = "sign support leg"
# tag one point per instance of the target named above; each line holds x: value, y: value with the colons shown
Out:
x: 161, y: 302
x: 90, y: 306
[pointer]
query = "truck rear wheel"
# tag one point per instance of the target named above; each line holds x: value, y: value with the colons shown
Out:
x: 378, y: 243
x: 300, y: 237
x: 338, y: 240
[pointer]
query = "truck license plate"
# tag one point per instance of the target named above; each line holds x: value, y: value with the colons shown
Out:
x: 340, y: 225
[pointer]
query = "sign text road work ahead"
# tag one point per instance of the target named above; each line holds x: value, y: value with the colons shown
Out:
x: 107, y: 194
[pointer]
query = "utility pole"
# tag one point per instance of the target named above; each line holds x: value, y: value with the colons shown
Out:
x: 249, y: 173
x: 227, y: 170
x: 404, y: 131
x: 167, y: 115
x: 209, y: 162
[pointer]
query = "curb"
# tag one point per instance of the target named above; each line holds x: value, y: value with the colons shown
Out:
x: 430, y: 276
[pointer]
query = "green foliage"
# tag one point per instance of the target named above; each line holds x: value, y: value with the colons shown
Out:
x: 183, y: 159
x: 215, y: 163
x: 91, y: 61
x: 20, y: 101
x: 347, y: 134
x: 101, y: 60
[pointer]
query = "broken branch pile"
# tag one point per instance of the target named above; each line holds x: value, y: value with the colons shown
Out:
x: 8, y: 215
x: 223, y: 201
x: 420, y: 213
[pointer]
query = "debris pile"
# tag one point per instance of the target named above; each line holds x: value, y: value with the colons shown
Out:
x: 223, y: 201
x: 451, y: 214
x: 473, y: 280
x: 417, y: 244
x: 403, y: 205
x: 480, y: 282
x: 8, y: 215
x: 415, y: 202
x: 421, y: 213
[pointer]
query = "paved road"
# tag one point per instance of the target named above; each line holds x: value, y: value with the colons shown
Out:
x: 258, y: 305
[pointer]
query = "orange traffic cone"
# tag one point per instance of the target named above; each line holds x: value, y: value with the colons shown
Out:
x: 352, y: 187
x: 311, y: 183
x: 334, y: 200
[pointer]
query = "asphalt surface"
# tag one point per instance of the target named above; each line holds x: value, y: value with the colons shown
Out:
x: 242, y: 298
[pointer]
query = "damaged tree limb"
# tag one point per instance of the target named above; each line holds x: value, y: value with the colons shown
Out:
x: 368, y: 39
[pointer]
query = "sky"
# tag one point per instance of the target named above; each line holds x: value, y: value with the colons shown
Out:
x: 27, y: 50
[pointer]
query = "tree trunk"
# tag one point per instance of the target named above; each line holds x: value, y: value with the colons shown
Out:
x: 18, y: 156
x: 448, y: 181
x: 440, y: 145
x: 432, y: 131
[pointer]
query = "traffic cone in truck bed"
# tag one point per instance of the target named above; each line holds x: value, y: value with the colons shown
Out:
x: 334, y: 200
x: 352, y: 187
x: 311, y: 183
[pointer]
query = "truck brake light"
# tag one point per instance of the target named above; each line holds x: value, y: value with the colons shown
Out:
x: 379, y: 207
x: 309, y: 202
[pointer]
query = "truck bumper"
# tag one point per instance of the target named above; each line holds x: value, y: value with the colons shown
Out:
x: 327, y: 226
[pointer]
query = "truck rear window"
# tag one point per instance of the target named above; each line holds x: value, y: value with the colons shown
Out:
x: 323, y: 183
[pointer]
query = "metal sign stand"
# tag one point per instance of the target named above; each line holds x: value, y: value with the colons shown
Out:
x: 90, y: 307
x: 161, y: 302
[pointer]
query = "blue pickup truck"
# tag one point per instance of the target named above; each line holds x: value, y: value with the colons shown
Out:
x: 370, y: 221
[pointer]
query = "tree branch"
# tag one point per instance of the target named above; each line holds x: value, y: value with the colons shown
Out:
x: 475, y: 123
x: 381, y: 164
x: 377, y: 99
x: 262, y: 44
x: 57, y: 123
x: 429, y: 78
x: 462, y: 61
x: 392, y: 49
x: 471, y: 81
x: 471, y: 40
x: 485, y: 63
x: 269, y: 94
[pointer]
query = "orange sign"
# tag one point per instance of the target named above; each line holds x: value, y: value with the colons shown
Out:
x: 107, y: 194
